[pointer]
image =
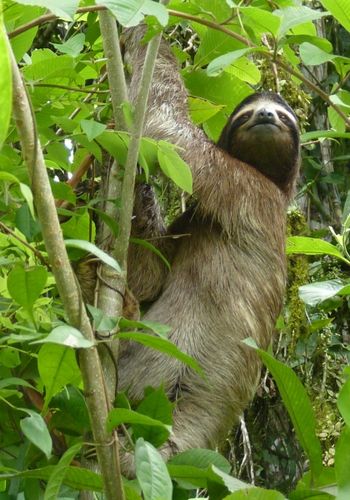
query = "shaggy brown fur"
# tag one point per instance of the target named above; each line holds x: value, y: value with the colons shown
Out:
x: 227, y: 277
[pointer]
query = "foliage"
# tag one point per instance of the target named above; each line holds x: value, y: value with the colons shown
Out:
x: 226, y: 49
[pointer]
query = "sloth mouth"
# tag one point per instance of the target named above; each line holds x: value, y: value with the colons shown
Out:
x: 265, y: 124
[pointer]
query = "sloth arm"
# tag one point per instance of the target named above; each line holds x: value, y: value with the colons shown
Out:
x: 217, y: 177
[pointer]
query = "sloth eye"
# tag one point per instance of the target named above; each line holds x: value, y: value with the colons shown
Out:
x: 283, y: 117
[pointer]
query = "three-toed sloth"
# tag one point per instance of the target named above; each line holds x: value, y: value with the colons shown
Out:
x: 228, y: 272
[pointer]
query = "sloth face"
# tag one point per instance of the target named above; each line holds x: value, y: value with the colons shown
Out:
x: 263, y: 132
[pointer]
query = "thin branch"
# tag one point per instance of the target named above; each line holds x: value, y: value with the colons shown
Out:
x: 127, y: 199
x: 108, y: 301
x: 215, y: 26
x: 36, y: 252
x: 115, y: 68
x: 106, y: 443
x: 66, y: 87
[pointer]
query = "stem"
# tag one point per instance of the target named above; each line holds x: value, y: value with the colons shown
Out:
x: 115, y: 68
x: 110, y: 302
x: 106, y: 444
x: 127, y: 196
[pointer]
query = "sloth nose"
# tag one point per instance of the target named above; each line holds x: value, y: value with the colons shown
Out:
x: 265, y: 115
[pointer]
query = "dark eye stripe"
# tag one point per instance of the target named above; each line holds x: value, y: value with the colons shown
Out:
x: 285, y: 118
x: 237, y: 121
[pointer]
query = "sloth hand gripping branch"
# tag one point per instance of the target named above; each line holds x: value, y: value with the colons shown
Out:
x: 227, y: 277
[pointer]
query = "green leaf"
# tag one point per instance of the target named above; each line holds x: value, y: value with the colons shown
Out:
x: 14, y: 381
x: 34, y: 428
x: 344, y: 402
x: 299, y: 407
x: 312, y: 55
x: 317, y: 134
x: 162, y: 345
x: 220, y: 63
x: 158, y: 328
x: 174, y: 167
x: 340, y: 9
x: 71, y: 413
x: 57, y: 367
x: 201, y: 458
x: 56, y: 479
x: 246, y: 70
x: 152, y: 248
x: 155, y: 405
x: 231, y: 483
x: 28, y: 196
x: 260, y: 20
x: 312, y: 246
x: 5, y: 86
x: 92, y: 129
x: 293, y: 16
x: 314, y: 293
x: 48, y: 66
x: 9, y: 357
x: 119, y: 416
x: 190, y: 476
x: 79, y: 227
x: 68, y: 336
x: 202, y: 109
x: 132, y: 12
x: 255, y: 494
x: 73, y: 46
x: 152, y: 473
x: 342, y: 464
x: 91, y: 248
x: 19, y: 15
x: 64, y: 9
x: 77, y: 478
x: 26, y: 285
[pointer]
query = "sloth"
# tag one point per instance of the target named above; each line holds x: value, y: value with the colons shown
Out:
x: 227, y: 255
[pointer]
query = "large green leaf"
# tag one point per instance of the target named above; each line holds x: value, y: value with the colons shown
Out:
x: 155, y: 405
x: 340, y: 9
x: 312, y: 246
x: 313, y: 56
x: 131, y: 12
x: 64, y: 8
x: 342, y: 464
x: 66, y: 335
x: 75, y: 477
x: 91, y: 248
x: 56, y: 479
x: 299, y: 407
x: 255, y: 494
x: 220, y: 63
x: 26, y: 285
x: 294, y: 16
x: 92, y: 129
x: 201, y: 458
x: 162, y: 345
x: 261, y: 20
x: 344, y: 402
x: 34, y: 428
x: 151, y: 472
x: 174, y: 167
x: 314, y: 293
x: 57, y: 367
x: 119, y: 416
